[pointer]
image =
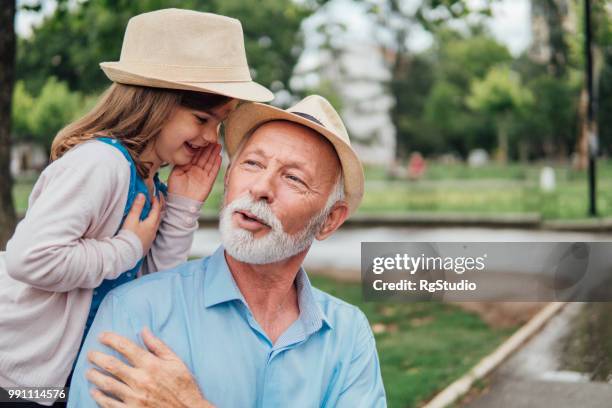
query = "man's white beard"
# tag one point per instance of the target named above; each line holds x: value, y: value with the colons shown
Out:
x: 274, y: 246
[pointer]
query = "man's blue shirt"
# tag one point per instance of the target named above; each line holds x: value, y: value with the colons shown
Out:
x: 326, y: 358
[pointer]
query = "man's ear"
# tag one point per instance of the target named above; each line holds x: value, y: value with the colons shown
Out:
x: 338, y: 214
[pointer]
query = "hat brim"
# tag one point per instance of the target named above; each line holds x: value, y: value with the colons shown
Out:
x: 252, y: 115
x: 244, y: 90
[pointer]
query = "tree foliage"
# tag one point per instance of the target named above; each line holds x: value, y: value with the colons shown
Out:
x: 71, y: 42
x: 39, y: 118
x: 501, y: 96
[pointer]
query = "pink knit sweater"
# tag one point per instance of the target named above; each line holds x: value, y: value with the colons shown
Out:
x: 63, y: 249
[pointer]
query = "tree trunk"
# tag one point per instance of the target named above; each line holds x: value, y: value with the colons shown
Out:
x: 582, y: 145
x: 7, y: 78
x: 502, y: 139
x: 398, y: 71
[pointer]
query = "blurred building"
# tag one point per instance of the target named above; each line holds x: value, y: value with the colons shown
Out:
x: 361, y: 76
x: 347, y: 66
x: 27, y: 158
x: 542, y: 14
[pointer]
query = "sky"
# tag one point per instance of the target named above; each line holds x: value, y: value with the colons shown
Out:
x: 26, y: 19
x: 511, y: 24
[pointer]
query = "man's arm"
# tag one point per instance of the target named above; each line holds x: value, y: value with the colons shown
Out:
x: 110, y: 318
x: 130, y: 372
x: 363, y: 386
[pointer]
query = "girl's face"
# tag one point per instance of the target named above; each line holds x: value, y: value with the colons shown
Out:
x: 187, y: 131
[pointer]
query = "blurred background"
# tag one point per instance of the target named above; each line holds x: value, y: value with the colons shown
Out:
x: 476, y: 119
x: 455, y: 106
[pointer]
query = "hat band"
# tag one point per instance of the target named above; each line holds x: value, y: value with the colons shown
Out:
x: 309, y: 117
x: 186, y: 73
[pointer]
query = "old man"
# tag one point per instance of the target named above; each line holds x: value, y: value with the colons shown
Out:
x: 244, y: 327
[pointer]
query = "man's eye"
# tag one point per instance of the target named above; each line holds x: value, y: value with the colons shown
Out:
x: 201, y: 119
x: 250, y: 162
x: 294, y: 178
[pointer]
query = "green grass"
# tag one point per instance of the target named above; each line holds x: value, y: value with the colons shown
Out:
x: 492, y: 189
x: 459, y: 189
x: 422, y: 347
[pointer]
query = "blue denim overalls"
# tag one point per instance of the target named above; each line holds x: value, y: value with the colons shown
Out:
x: 137, y: 185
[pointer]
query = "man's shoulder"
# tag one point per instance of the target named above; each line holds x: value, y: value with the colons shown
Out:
x: 162, y: 285
x: 339, y: 312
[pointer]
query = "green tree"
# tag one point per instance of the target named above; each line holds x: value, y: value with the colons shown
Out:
x: 75, y: 39
x: 459, y: 60
x: 502, y: 96
x: 604, y: 113
x: 554, y: 114
x: 554, y: 12
x: 53, y: 109
x: 603, y: 38
x: 463, y: 58
x: 23, y: 104
x: 7, y: 78
x: 397, y: 19
x: 411, y: 95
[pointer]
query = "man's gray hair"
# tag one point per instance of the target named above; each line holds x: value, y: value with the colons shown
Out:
x: 337, y: 194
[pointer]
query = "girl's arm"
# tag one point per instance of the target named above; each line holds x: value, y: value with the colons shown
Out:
x: 175, y: 235
x: 188, y: 187
x: 76, y: 200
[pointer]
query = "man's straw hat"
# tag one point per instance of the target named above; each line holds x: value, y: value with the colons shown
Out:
x: 189, y: 50
x: 314, y: 112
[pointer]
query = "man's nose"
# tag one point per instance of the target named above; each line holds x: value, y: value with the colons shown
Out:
x: 263, y: 187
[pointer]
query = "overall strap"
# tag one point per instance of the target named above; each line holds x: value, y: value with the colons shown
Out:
x: 133, y: 173
x: 137, y: 184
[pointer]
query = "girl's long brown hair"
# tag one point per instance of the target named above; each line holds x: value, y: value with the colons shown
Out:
x: 133, y: 115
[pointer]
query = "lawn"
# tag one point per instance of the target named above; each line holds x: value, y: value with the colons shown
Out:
x: 423, y: 347
x: 458, y: 188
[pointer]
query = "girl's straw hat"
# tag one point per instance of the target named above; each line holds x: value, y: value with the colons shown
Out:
x: 189, y: 50
x: 314, y: 112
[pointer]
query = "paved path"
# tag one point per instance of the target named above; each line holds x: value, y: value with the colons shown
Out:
x: 534, y: 377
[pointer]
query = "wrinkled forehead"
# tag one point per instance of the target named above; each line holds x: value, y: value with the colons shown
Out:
x: 294, y: 142
x: 291, y: 134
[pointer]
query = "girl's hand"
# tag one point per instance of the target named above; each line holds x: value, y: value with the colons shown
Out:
x: 196, y: 179
x: 146, y: 230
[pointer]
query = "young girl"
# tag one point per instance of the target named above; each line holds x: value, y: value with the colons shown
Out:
x: 98, y: 215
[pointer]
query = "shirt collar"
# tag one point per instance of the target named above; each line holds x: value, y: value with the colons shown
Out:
x: 220, y: 287
x: 219, y: 284
x: 311, y: 314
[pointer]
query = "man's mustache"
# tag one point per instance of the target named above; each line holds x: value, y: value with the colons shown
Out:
x: 260, y: 209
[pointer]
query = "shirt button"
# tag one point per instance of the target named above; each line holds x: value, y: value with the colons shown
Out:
x: 129, y: 274
x: 95, y: 292
x: 193, y: 209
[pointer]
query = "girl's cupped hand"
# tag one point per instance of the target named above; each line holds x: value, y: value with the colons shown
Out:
x: 196, y: 179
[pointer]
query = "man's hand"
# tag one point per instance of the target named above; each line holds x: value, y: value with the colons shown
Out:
x: 156, y: 378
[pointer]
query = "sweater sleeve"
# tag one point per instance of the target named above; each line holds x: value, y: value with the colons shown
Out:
x: 175, y: 235
x: 74, y: 196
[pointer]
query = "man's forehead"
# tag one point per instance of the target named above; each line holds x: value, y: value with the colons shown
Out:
x: 297, y: 144
x: 289, y: 133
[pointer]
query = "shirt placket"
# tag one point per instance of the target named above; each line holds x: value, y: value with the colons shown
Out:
x: 292, y: 338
